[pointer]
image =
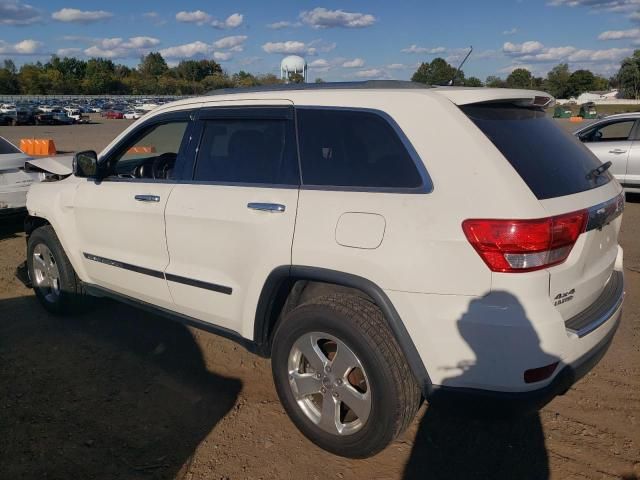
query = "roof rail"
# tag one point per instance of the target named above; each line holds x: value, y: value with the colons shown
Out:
x: 368, y: 84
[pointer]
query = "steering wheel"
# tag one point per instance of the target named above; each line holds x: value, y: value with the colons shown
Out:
x: 162, y: 164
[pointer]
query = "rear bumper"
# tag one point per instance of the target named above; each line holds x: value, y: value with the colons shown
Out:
x: 516, y: 403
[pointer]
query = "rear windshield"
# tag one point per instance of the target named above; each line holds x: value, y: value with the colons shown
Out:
x: 552, y: 162
x: 6, y: 147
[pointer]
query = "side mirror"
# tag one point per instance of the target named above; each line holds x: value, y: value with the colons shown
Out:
x: 85, y: 164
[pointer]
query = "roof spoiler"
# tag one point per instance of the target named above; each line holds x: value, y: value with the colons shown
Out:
x: 521, y: 98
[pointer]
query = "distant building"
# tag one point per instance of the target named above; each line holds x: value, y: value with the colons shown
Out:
x: 597, y: 95
x: 293, y: 64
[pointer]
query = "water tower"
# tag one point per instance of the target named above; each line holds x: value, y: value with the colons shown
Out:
x: 293, y: 64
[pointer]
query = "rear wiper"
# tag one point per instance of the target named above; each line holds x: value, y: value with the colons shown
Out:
x: 596, y: 172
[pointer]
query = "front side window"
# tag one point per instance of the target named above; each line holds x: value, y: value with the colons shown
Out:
x: 244, y: 150
x: 150, y: 153
x: 353, y: 148
x: 611, y: 132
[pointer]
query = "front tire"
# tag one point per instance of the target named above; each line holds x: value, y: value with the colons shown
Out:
x: 342, y: 377
x: 54, y: 280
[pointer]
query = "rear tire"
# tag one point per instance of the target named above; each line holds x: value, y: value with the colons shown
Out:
x: 54, y: 280
x: 338, y: 349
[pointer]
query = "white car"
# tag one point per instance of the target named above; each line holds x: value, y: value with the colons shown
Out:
x: 615, y: 139
x: 380, y: 242
x: 14, y: 180
x: 132, y: 114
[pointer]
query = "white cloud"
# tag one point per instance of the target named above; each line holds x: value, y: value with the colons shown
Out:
x: 232, y: 21
x: 290, y: 47
x: 522, y: 48
x: 355, y: 63
x: 283, y: 24
x: 187, y: 50
x: 221, y: 50
x: 74, y: 15
x: 370, y: 73
x: 616, y: 6
x: 510, y: 68
x: 118, y: 47
x: 154, y: 17
x: 511, y: 31
x: 14, y: 12
x: 536, y: 52
x: 222, y: 56
x: 324, y: 18
x: 416, y: 49
x: 619, y: 34
x: 200, y: 17
x: 396, y: 66
x: 231, y: 42
x: 320, y: 65
x: 69, y: 52
x: 25, y: 47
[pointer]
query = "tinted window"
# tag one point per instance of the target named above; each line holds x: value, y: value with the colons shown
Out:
x: 552, y: 162
x: 247, y: 151
x: 611, y: 132
x: 6, y: 147
x: 348, y: 148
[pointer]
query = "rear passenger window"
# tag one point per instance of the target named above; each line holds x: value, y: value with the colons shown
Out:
x: 247, y: 151
x: 351, y: 148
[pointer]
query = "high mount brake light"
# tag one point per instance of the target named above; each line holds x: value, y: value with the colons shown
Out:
x: 525, y: 245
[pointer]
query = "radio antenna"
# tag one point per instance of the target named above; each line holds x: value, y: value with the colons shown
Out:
x: 451, y: 82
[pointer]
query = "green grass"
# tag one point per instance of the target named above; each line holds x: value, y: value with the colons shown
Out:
x: 603, y: 109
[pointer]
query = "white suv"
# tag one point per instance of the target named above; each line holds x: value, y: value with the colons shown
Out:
x: 381, y: 243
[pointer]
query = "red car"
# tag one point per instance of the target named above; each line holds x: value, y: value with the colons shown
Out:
x: 113, y: 114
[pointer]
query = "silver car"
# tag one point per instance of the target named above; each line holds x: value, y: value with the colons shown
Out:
x: 14, y: 180
x: 616, y: 138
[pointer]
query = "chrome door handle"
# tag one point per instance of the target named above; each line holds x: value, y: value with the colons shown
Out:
x: 617, y: 151
x: 266, y: 207
x: 147, y: 198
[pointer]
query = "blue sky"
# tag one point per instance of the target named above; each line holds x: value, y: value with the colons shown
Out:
x: 341, y: 40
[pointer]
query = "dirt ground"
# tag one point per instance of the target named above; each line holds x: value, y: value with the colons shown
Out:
x: 118, y: 393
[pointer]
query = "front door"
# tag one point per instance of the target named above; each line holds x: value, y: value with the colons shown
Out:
x: 612, y: 142
x: 120, y: 219
x: 233, y: 223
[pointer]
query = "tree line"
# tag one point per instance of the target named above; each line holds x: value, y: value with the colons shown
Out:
x: 99, y: 76
x: 152, y: 76
x: 559, y: 81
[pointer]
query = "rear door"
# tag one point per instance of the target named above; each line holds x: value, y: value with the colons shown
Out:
x: 611, y: 141
x: 232, y: 224
x: 632, y: 177
x: 558, y: 170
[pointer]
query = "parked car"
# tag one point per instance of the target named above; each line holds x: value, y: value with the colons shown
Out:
x: 14, y: 181
x: 132, y: 115
x: 405, y: 279
x: 61, y: 118
x: 616, y: 139
x: 113, y: 114
x: 17, y: 117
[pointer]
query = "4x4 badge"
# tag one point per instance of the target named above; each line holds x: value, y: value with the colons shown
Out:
x: 565, y: 297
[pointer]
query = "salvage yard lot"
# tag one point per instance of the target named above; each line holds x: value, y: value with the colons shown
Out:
x: 120, y: 393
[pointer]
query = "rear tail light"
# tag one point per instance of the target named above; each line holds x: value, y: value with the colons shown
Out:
x: 525, y: 245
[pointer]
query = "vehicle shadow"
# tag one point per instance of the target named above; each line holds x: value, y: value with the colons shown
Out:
x: 114, y: 393
x: 459, y: 440
x: 633, y: 197
x: 11, y: 226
